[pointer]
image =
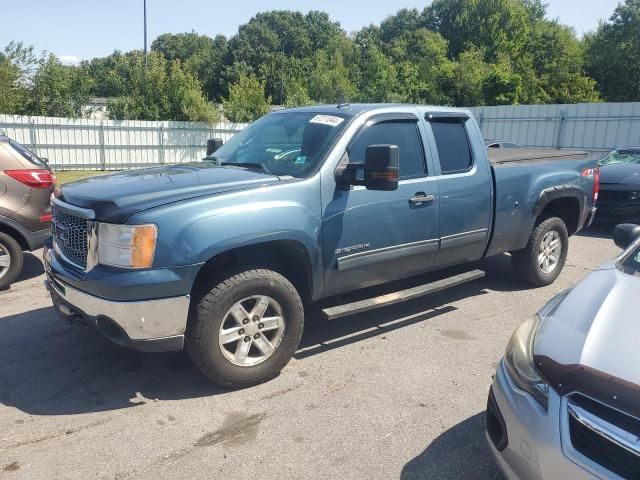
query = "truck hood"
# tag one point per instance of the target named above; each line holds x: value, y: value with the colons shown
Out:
x: 620, y: 174
x: 116, y: 197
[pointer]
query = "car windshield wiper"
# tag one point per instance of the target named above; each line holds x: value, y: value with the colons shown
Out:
x: 253, y: 165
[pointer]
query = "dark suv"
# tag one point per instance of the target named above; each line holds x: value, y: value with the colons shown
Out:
x: 26, y: 185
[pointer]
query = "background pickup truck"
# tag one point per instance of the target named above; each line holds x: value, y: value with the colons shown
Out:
x: 220, y: 256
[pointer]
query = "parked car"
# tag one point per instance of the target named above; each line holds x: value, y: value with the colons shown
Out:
x: 26, y: 185
x: 619, y: 199
x: 495, y: 144
x: 565, y: 401
x: 303, y: 205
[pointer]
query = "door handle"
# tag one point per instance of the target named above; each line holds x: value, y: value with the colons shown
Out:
x: 420, y: 198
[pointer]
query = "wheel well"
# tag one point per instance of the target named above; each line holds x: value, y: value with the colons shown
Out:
x: 287, y: 257
x: 567, y: 209
x: 12, y: 232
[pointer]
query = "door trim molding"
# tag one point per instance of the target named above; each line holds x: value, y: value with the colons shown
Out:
x: 465, y: 238
x: 387, y: 253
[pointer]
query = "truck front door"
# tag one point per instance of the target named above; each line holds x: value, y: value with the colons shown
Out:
x: 371, y: 237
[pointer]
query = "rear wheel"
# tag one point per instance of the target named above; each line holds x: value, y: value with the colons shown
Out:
x: 542, y: 260
x: 10, y: 260
x: 246, y: 329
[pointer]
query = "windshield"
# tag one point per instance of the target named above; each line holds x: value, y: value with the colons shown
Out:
x: 621, y: 156
x: 283, y: 143
x: 631, y: 264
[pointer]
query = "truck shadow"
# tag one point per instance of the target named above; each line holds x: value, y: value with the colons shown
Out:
x: 49, y: 368
x: 31, y: 268
x: 457, y: 454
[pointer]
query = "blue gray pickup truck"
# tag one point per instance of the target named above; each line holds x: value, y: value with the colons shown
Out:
x: 221, y: 256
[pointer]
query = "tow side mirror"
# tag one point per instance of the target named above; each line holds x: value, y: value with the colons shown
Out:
x: 213, y: 144
x: 380, y: 167
x: 624, y: 235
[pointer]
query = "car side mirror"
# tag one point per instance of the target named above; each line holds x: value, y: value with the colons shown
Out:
x: 381, y: 169
x: 624, y: 235
x: 44, y: 160
x: 213, y: 144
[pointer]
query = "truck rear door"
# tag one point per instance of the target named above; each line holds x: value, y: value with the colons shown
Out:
x: 464, y: 184
x: 375, y: 236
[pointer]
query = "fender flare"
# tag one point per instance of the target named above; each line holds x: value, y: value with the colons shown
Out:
x: 554, y: 193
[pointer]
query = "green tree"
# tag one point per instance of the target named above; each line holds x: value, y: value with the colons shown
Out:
x: 59, y: 90
x: 13, y: 96
x: 247, y: 100
x: 496, y: 27
x: 163, y: 91
x: 467, y: 79
x: 201, y: 55
x: 557, y: 58
x: 613, y: 54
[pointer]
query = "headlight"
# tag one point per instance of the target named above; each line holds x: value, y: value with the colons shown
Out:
x: 518, y: 361
x: 128, y: 246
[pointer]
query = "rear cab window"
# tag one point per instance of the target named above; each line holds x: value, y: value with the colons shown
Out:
x: 452, y: 144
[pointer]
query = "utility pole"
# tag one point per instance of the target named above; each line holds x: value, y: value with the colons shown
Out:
x: 146, y: 59
x: 282, y: 77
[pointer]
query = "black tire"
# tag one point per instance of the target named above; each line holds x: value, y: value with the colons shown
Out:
x: 8, y: 245
x: 203, y: 331
x: 525, y: 262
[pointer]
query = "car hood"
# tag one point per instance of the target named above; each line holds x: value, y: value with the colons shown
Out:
x: 596, y: 326
x: 116, y: 197
x: 620, y: 174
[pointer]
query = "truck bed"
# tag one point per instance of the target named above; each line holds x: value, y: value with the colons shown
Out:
x: 501, y: 156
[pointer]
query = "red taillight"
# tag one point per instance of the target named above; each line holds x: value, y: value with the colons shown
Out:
x: 33, y: 178
x: 46, y: 217
x: 595, y: 174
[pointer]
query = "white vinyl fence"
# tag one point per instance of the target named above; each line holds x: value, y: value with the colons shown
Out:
x: 590, y: 126
x: 116, y: 145
x: 111, y: 144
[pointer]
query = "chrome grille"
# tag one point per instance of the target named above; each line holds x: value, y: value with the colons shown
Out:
x: 605, y: 435
x: 70, y: 236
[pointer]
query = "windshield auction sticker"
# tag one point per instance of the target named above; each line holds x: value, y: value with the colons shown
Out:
x: 327, y: 120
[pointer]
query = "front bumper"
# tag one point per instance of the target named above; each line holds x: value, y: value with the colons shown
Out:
x: 149, y: 325
x: 534, y: 448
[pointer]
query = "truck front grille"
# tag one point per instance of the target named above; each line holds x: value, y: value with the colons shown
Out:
x: 605, y: 435
x: 70, y: 236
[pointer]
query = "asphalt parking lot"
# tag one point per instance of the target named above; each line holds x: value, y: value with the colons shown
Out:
x: 397, y: 393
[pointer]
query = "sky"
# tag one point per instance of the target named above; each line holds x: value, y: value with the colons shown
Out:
x: 82, y: 29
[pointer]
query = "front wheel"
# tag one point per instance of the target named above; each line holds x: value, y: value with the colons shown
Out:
x: 542, y: 260
x: 246, y: 329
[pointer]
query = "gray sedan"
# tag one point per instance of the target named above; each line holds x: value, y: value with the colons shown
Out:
x: 565, y: 401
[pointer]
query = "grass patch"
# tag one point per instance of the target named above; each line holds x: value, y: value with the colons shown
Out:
x: 65, y: 176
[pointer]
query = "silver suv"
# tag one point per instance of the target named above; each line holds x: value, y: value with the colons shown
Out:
x: 26, y: 184
x: 565, y: 401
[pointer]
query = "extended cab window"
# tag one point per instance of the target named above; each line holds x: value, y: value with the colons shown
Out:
x: 403, y: 134
x: 453, y: 145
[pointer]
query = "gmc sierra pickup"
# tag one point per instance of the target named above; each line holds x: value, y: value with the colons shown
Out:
x: 221, y: 256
